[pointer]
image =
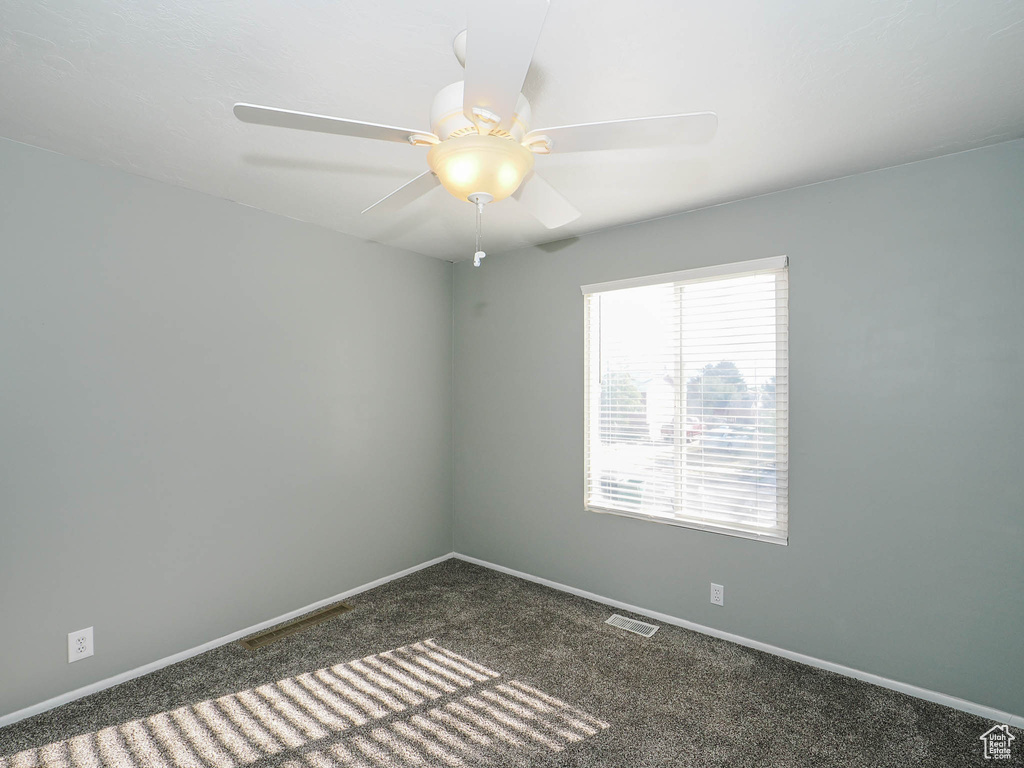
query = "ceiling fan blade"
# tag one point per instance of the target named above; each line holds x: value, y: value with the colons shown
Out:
x: 694, y: 128
x: 405, y: 194
x: 304, y: 121
x: 545, y: 202
x: 500, y: 39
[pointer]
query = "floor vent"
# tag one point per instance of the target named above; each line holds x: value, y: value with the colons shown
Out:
x: 632, y: 625
x: 260, y: 639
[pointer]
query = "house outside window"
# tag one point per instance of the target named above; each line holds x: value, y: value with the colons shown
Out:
x: 687, y: 398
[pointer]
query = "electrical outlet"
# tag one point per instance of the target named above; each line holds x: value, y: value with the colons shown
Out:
x: 79, y: 644
x: 717, y: 594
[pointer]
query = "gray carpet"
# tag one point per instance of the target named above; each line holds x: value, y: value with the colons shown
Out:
x: 459, y: 666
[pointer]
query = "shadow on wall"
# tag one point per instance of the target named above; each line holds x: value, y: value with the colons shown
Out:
x: 416, y: 705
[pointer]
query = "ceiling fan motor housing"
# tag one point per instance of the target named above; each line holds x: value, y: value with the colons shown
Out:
x: 448, y: 120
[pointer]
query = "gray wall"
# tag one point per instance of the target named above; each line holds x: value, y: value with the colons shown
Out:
x: 906, y: 554
x: 210, y: 416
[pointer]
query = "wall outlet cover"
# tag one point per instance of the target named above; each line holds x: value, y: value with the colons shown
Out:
x: 718, y: 594
x: 80, y: 644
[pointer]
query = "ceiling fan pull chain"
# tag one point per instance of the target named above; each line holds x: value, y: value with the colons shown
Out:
x: 479, y: 199
x: 479, y: 226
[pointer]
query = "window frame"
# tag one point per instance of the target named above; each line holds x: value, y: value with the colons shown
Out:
x: 776, y: 264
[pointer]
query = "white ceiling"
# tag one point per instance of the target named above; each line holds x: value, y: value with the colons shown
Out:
x: 805, y: 91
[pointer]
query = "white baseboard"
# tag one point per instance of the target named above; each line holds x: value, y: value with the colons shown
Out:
x: 153, y: 666
x: 981, y: 710
x: 989, y: 713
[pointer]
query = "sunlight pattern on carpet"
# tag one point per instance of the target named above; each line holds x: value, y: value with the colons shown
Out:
x: 418, y: 705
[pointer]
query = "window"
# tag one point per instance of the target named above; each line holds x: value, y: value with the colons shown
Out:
x: 687, y: 398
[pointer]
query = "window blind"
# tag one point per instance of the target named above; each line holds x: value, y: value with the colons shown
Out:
x: 687, y: 398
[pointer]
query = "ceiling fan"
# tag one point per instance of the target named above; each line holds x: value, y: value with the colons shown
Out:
x: 481, y: 145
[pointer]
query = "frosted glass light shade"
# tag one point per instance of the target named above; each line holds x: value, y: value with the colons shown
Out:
x: 474, y: 163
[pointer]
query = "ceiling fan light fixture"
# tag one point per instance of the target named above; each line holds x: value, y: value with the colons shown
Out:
x: 472, y: 164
